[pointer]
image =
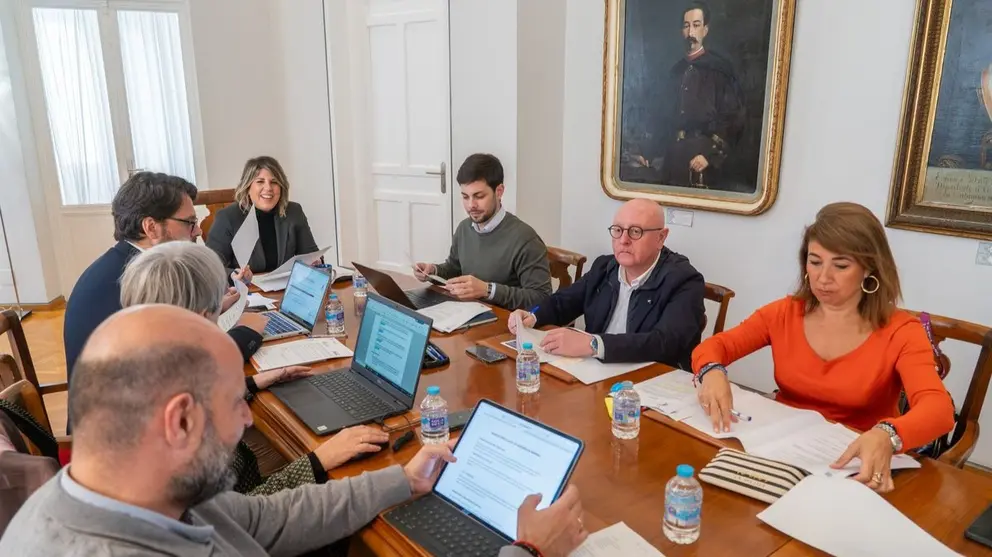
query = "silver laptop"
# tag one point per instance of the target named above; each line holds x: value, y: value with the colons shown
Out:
x: 301, y: 303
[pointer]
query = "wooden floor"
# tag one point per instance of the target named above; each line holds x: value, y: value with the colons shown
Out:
x: 44, y: 333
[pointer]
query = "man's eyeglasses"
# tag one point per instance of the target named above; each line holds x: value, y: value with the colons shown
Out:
x: 191, y: 222
x: 633, y: 232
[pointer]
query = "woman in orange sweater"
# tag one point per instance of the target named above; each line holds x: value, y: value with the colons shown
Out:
x: 841, y: 347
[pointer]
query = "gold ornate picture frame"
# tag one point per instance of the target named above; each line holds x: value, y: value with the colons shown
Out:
x: 942, y: 180
x: 653, y: 51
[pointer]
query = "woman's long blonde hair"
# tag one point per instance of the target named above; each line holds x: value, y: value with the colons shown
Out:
x: 248, y: 175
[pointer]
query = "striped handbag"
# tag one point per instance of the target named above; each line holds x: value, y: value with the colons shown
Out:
x: 753, y: 476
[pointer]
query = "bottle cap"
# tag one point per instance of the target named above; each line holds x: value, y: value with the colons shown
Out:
x: 435, y: 390
x: 528, y: 346
x: 684, y: 471
x: 333, y: 296
x: 627, y: 385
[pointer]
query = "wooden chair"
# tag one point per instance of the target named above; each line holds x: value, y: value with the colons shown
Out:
x: 722, y: 296
x: 22, y: 393
x: 965, y: 435
x: 18, y: 365
x: 214, y: 200
x: 560, y: 260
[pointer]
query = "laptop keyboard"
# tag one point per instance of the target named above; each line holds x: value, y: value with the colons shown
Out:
x: 278, y: 325
x: 426, y: 298
x: 443, y: 530
x: 351, y: 395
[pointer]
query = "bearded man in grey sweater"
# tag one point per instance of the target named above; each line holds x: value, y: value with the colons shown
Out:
x: 494, y: 255
x: 158, y: 404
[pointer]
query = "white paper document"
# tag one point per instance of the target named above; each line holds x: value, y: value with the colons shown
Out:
x: 278, y: 279
x: 533, y: 336
x: 615, y: 540
x: 259, y: 301
x: 245, y: 238
x: 342, y: 273
x: 847, y: 519
x: 587, y: 370
x: 229, y: 318
x: 672, y: 394
x: 449, y: 316
x: 299, y: 352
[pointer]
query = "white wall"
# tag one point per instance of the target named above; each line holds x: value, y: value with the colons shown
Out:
x: 840, y: 139
x: 484, y: 89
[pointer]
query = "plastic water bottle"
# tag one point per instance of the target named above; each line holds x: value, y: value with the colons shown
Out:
x: 360, y: 284
x: 528, y: 369
x: 334, y: 315
x: 683, y: 506
x: 433, y: 418
x: 626, y: 411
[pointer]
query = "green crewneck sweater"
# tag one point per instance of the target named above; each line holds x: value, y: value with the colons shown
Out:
x: 512, y: 255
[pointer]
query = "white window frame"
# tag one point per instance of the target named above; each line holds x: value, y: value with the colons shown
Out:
x: 117, y: 96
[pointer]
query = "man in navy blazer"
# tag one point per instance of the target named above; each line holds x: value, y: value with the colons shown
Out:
x: 642, y: 304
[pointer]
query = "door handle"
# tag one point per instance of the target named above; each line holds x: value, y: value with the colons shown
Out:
x: 443, y: 175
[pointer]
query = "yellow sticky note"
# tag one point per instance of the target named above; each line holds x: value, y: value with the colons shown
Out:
x: 609, y: 407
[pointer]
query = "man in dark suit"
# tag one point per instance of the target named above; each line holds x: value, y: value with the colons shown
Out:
x: 642, y: 304
x: 149, y: 209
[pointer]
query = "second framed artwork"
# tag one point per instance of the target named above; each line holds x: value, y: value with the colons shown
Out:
x: 694, y: 97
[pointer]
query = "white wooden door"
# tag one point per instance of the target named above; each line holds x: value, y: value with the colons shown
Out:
x: 409, y: 147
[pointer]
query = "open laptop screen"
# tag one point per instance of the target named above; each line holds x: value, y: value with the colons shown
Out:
x: 391, y: 343
x: 305, y: 293
x: 502, y: 458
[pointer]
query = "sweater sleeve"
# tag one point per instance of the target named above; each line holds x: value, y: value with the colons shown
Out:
x: 452, y: 267
x: 295, y: 521
x: 532, y: 270
x: 931, y: 410
x: 751, y: 335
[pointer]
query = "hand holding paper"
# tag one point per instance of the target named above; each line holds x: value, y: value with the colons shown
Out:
x: 229, y: 318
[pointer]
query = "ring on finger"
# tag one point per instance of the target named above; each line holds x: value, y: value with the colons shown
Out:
x: 876, y: 477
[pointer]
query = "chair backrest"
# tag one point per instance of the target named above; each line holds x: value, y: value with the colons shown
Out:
x: 560, y: 260
x: 214, y: 200
x: 966, y: 430
x: 25, y: 395
x: 722, y: 296
x: 18, y: 364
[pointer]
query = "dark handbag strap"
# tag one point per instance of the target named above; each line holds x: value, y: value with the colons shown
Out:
x: 31, y: 429
x: 938, y: 356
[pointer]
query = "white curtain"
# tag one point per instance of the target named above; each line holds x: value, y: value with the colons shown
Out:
x: 156, y: 92
x: 78, y: 108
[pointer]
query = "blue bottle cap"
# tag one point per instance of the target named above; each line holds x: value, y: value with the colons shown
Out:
x: 333, y: 296
x: 627, y: 384
x: 616, y: 387
x: 684, y: 471
x: 435, y: 390
x: 528, y: 346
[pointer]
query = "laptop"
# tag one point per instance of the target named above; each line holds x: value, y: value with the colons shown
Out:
x: 420, y: 298
x: 502, y: 456
x: 301, y: 303
x: 381, y: 381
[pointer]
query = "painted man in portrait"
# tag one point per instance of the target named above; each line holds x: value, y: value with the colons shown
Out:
x: 707, y: 112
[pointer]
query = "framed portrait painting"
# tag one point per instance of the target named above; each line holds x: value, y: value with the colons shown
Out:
x: 694, y: 97
x: 942, y: 181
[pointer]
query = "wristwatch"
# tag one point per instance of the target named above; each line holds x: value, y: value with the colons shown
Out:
x: 594, y: 344
x: 491, y: 290
x: 893, y: 436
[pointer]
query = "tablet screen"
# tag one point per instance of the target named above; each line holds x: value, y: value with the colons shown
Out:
x: 502, y: 458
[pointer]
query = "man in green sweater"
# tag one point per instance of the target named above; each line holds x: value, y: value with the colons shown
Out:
x: 494, y: 256
x: 150, y: 470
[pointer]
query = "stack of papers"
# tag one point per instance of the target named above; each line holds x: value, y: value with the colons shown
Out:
x: 848, y: 519
x: 299, y: 352
x: 618, y: 539
x: 278, y: 279
x: 802, y: 438
x: 587, y: 370
x: 449, y: 316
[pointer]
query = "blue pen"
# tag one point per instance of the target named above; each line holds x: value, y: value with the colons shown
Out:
x: 535, y: 309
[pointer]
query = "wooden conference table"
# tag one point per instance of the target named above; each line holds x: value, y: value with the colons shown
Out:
x: 617, y: 480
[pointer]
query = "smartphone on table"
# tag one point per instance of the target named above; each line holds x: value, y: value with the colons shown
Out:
x: 485, y: 354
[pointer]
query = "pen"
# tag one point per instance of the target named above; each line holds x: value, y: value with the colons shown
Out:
x: 535, y: 309
x: 740, y: 416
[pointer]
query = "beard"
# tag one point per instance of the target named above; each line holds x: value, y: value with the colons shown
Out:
x: 484, y: 216
x: 691, y: 44
x: 209, y: 474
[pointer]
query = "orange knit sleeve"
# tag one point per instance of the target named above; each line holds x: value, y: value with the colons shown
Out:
x: 733, y: 344
x: 931, y: 411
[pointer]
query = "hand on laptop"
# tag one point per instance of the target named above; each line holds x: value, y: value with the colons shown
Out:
x: 349, y: 443
x: 424, y: 467
x: 467, y: 287
x: 568, y: 342
x: 526, y: 318
x: 266, y: 379
x: 254, y: 321
x: 421, y: 270
x: 557, y: 530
